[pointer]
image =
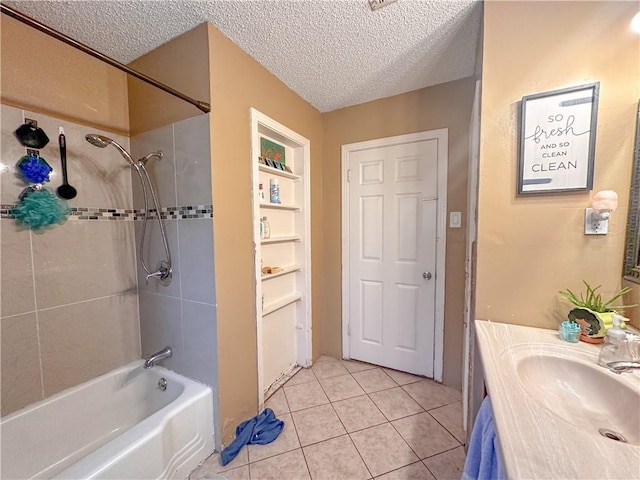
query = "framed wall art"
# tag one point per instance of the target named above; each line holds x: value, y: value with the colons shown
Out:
x: 272, y: 150
x: 557, y: 140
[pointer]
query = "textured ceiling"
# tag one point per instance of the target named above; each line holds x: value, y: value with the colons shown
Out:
x: 333, y: 53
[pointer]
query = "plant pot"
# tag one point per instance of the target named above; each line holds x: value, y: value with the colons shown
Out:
x: 594, y: 325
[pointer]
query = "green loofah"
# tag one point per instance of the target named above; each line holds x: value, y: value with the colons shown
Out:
x: 40, y: 208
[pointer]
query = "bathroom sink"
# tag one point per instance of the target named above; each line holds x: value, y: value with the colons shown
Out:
x: 581, y: 392
x: 557, y: 413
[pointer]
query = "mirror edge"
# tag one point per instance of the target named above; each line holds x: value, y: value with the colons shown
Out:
x: 631, y: 267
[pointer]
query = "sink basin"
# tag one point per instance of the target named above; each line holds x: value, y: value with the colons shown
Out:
x: 581, y: 392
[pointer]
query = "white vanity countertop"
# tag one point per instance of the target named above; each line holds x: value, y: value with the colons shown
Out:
x: 535, y: 442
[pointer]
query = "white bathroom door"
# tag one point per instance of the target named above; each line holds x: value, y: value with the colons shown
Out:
x: 392, y: 224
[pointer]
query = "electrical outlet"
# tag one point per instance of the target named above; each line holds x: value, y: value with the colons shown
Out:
x: 597, y: 227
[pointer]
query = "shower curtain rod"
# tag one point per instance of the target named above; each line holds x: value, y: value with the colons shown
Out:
x: 204, y: 106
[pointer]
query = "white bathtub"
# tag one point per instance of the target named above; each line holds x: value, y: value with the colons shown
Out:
x: 117, y: 426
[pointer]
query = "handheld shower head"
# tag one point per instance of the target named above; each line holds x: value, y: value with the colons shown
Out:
x: 103, y: 142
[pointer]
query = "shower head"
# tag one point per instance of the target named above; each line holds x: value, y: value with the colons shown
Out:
x: 103, y: 142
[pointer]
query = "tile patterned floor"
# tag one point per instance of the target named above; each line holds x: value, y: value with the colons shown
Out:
x: 347, y: 420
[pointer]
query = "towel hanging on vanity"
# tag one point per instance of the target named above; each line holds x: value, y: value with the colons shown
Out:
x: 483, y: 459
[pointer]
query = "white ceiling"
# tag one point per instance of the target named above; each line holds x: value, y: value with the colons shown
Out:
x: 333, y: 53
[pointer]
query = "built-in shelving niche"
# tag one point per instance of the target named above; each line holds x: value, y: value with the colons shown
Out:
x: 283, y: 299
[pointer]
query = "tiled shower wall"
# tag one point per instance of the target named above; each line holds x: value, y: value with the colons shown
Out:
x: 68, y: 303
x: 183, y: 314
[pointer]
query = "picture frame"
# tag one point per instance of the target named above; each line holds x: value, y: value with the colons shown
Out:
x: 287, y: 169
x: 269, y: 163
x: 261, y: 160
x: 272, y: 150
x: 557, y: 140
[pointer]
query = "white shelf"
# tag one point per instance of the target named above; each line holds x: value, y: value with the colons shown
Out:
x: 294, y: 238
x: 280, y: 206
x: 275, y: 171
x: 281, y: 303
x: 284, y: 271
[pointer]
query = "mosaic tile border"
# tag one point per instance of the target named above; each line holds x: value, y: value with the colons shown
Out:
x: 184, y: 212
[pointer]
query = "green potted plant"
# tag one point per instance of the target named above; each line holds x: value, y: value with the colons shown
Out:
x: 593, y: 313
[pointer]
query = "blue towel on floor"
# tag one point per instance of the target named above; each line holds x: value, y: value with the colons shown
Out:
x: 261, y: 429
x: 483, y: 460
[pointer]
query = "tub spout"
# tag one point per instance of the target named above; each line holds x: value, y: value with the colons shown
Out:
x: 156, y: 357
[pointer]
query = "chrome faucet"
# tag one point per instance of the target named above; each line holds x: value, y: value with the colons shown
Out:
x: 620, y: 367
x: 156, y: 357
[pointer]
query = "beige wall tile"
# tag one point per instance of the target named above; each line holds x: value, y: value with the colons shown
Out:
x: 10, y: 184
x: 17, y: 294
x: 84, y: 340
x: 82, y: 260
x: 21, y: 380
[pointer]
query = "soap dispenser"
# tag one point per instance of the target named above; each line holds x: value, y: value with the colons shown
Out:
x: 615, y: 347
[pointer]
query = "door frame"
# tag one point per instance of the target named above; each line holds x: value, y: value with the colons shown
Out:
x: 441, y: 136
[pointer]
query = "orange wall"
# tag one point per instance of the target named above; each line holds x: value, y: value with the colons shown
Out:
x: 530, y: 247
x: 446, y: 105
x: 44, y: 75
x: 182, y: 64
x: 237, y: 83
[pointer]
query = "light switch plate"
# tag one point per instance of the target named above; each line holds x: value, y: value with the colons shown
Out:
x: 455, y: 219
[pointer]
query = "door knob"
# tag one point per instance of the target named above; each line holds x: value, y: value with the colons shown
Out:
x: 426, y: 275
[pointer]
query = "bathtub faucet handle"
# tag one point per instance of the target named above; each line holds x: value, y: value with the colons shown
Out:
x: 163, y: 274
x: 156, y: 357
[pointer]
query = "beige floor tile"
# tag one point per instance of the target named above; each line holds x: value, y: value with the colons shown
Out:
x: 326, y: 368
x: 305, y: 395
x: 278, y: 403
x: 240, y: 473
x: 374, y: 380
x: 335, y: 459
x: 395, y: 403
x: 339, y: 388
x: 415, y: 471
x: 425, y: 436
x: 305, y: 375
x: 286, y: 441
x: 327, y: 358
x: 288, y: 466
x: 382, y: 449
x: 402, y: 378
x: 447, y: 465
x: 358, y: 413
x: 212, y: 465
x: 356, y: 366
x: 450, y: 417
x: 430, y: 394
x: 317, y: 424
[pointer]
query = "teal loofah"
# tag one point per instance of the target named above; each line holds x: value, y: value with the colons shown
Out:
x: 40, y: 208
